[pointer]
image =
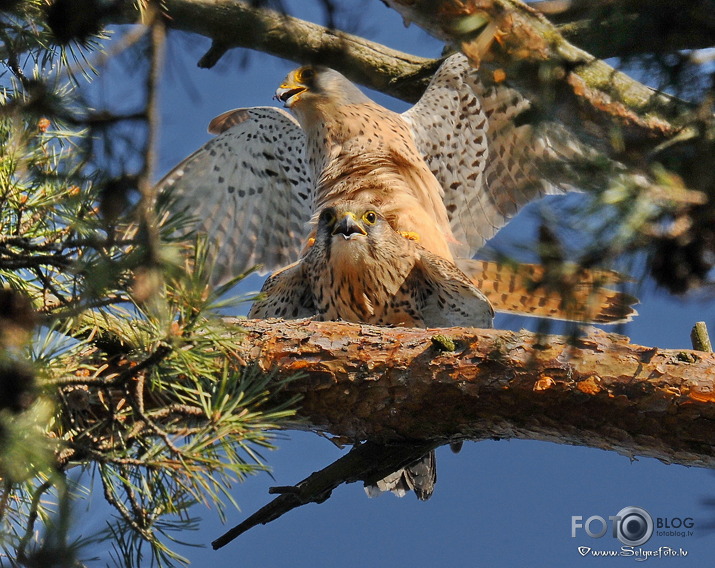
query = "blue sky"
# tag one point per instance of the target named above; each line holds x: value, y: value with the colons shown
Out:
x: 496, y: 504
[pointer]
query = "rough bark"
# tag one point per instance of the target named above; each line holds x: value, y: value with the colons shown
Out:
x: 389, y: 384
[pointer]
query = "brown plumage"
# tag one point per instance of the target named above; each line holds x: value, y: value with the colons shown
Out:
x: 361, y: 270
x: 359, y: 150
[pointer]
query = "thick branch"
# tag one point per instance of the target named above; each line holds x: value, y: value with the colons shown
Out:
x: 389, y: 384
x: 237, y: 24
x: 587, y: 94
x: 612, y: 28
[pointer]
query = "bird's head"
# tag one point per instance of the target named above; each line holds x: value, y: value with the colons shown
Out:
x: 352, y: 226
x: 312, y: 84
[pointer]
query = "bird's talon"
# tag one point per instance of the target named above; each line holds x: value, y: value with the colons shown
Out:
x: 410, y: 235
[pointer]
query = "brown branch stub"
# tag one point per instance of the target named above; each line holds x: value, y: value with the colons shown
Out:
x: 391, y: 384
x: 700, y: 338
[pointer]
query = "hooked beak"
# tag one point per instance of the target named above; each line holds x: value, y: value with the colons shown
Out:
x: 289, y: 94
x: 348, y: 227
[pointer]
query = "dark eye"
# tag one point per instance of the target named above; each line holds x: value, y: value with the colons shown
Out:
x: 328, y: 217
x: 305, y: 74
x: 370, y: 217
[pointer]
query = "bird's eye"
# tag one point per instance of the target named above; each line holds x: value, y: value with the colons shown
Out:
x: 305, y: 74
x: 370, y: 217
x: 328, y: 217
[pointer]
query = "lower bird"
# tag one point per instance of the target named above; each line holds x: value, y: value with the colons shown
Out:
x: 361, y: 270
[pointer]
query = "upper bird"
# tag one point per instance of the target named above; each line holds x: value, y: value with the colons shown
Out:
x: 358, y: 149
x: 452, y: 169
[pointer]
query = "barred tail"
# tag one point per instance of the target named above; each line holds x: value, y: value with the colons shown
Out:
x: 568, y: 293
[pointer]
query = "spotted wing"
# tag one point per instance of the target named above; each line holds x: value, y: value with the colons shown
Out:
x: 249, y: 190
x: 445, y: 296
x: 285, y: 294
x: 477, y: 144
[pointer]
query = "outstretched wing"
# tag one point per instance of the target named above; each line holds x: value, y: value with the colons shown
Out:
x: 450, y: 130
x: 249, y: 189
x: 488, y: 161
x: 446, y: 297
x: 286, y: 294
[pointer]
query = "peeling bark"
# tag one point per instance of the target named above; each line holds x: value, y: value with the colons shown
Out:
x: 390, y: 384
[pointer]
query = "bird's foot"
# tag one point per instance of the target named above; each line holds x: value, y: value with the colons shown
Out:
x: 411, y: 235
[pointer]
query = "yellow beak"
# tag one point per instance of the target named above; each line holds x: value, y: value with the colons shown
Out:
x: 289, y: 93
x: 349, y: 227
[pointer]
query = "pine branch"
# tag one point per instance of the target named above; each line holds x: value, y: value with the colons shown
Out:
x: 612, y: 28
x: 593, y: 98
x: 394, y: 385
x: 388, y: 385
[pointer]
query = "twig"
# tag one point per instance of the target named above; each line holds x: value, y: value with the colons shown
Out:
x: 368, y: 462
x: 119, y: 506
x: 32, y: 517
x: 160, y: 353
x: 6, y: 487
x: 147, y: 217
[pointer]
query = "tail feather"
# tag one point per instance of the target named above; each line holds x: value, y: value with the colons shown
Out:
x: 570, y: 293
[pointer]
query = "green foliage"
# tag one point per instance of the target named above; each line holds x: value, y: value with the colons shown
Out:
x: 114, y: 359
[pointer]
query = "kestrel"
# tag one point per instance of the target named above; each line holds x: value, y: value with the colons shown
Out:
x: 360, y: 269
x: 450, y: 171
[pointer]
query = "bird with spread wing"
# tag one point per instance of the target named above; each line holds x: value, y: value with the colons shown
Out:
x: 450, y: 172
x: 359, y: 269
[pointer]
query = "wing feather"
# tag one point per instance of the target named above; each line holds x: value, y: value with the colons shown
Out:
x: 446, y: 297
x: 249, y: 189
x: 286, y: 294
x: 489, y: 162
